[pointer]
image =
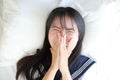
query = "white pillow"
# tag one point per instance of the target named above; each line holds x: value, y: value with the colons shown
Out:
x: 102, y: 39
x: 23, y: 28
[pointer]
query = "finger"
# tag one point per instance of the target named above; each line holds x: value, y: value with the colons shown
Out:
x: 53, y: 44
x: 64, y: 41
x: 62, y: 45
x: 69, y: 45
x: 69, y: 42
x: 51, y: 50
x: 59, y: 37
x: 56, y: 41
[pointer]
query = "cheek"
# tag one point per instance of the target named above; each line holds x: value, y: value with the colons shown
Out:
x: 51, y: 37
x: 74, y: 42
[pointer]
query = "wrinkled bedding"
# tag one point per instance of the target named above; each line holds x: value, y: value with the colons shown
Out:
x: 22, y: 32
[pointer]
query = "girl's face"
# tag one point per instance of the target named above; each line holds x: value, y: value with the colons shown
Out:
x: 70, y: 31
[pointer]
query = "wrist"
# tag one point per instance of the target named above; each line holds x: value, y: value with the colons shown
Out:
x: 64, y: 71
x: 64, y: 68
x: 54, y: 67
x: 66, y: 74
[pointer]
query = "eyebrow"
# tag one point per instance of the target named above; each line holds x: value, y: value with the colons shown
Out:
x: 56, y: 27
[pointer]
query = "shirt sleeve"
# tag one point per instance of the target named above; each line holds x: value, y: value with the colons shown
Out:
x: 91, y: 73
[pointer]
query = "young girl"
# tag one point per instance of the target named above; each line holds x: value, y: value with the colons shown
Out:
x: 60, y: 57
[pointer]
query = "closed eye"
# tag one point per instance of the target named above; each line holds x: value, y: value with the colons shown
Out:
x: 70, y: 31
x: 56, y: 28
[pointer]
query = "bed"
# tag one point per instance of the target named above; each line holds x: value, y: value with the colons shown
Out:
x: 22, y: 32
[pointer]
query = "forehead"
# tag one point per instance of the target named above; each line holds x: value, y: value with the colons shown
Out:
x: 64, y: 22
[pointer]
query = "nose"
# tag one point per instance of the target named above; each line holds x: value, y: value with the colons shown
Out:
x: 63, y: 32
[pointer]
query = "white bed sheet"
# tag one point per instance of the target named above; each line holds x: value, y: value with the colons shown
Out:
x: 21, y: 19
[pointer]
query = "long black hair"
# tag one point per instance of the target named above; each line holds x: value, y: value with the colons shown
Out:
x: 28, y: 66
